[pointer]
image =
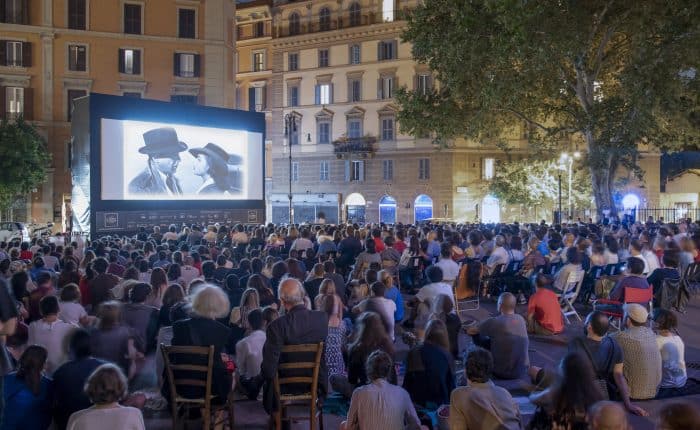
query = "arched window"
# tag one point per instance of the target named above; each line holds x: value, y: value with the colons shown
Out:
x: 355, y: 17
x: 294, y: 27
x: 355, y: 208
x: 324, y: 19
x: 387, y: 210
x: 423, y: 207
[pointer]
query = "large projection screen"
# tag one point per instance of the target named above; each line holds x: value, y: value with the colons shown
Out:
x: 166, y: 161
x: 138, y: 163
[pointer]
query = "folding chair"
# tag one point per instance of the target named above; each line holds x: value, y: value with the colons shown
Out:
x: 186, y: 375
x: 642, y: 296
x: 567, y: 298
x: 466, y: 295
x: 301, y: 380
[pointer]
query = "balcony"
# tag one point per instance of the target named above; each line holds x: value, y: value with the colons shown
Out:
x: 346, y: 147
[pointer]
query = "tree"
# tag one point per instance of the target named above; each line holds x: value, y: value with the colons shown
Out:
x: 536, y: 183
x: 615, y: 73
x: 24, y: 158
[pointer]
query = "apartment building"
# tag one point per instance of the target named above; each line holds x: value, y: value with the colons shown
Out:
x: 335, y: 69
x: 53, y: 51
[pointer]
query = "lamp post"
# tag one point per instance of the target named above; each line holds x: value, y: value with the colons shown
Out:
x: 569, y: 160
x: 559, y: 213
x: 290, y: 128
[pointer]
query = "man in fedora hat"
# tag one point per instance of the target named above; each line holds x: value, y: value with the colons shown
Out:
x: 163, y: 149
x: 211, y: 163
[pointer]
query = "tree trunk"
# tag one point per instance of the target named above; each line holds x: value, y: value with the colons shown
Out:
x: 602, y: 178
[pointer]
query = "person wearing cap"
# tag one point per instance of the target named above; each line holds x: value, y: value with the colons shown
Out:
x: 163, y: 149
x: 543, y: 309
x: 642, y: 358
x: 211, y: 164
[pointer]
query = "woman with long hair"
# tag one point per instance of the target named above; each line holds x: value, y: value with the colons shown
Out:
x: 265, y: 294
x: 337, y: 332
x: 429, y: 378
x: 295, y: 270
x: 111, y: 340
x: 27, y: 393
x: 279, y: 271
x: 174, y: 275
x: 159, y: 282
x: 239, y: 315
x: 87, y: 259
x: 69, y: 274
x: 173, y: 295
x: 564, y: 404
x: 371, y: 335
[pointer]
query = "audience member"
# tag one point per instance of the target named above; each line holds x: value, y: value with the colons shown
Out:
x: 51, y: 333
x: 481, y: 404
x: 70, y: 309
x: 27, y: 393
x: 673, y: 371
x: 249, y: 355
x: 543, y: 309
x: 642, y: 359
x: 72, y: 374
x: 105, y: 388
x: 298, y: 325
x: 506, y: 337
x: 607, y: 415
x: 679, y: 415
x: 380, y: 404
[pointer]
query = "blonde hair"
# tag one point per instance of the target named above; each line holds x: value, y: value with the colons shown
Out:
x: 210, y: 302
x: 327, y: 287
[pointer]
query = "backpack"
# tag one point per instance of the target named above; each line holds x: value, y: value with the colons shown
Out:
x: 673, y: 294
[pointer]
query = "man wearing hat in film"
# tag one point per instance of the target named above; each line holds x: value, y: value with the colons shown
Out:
x: 163, y: 149
x: 211, y: 163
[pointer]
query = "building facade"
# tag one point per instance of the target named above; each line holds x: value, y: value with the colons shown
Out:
x: 53, y: 51
x: 335, y: 69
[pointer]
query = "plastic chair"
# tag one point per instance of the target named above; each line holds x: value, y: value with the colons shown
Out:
x: 181, y: 376
x: 301, y: 377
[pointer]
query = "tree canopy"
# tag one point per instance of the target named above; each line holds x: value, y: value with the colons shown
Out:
x: 24, y: 158
x: 614, y: 73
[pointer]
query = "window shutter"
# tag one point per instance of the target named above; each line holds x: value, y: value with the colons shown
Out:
x: 137, y: 62
x: 197, y: 66
x: 26, y: 54
x: 3, y: 52
x: 263, y: 102
x: 28, y: 112
x: 330, y: 94
x: 3, y: 100
x: 251, y: 99
x: 121, y: 61
x: 82, y: 58
x: 25, y: 12
x: 362, y: 171
x: 379, y: 89
x: 317, y: 95
x: 350, y: 91
x: 347, y: 170
x: 416, y: 81
x: 3, y: 17
x: 379, y: 51
x: 176, y: 64
x: 429, y: 82
x: 395, y: 49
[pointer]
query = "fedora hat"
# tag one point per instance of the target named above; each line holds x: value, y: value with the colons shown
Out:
x: 217, y: 155
x: 162, y: 141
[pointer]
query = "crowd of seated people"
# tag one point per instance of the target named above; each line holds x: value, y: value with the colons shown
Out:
x: 95, y: 312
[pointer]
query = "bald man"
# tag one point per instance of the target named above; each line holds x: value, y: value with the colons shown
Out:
x: 608, y: 415
x: 505, y: 336
x: 298, y: 325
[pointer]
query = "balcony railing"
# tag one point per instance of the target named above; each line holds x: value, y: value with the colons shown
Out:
x: 355, y: 146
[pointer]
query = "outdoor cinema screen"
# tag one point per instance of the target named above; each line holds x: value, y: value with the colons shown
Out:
x: 145, y: 160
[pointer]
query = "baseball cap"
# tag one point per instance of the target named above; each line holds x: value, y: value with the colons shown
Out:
x: 636, y: 312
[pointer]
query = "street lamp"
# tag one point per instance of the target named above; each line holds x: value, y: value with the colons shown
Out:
x: 290, y: 128
x: 569, y: 160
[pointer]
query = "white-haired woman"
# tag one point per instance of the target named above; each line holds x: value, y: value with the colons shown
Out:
x: 202, y: 329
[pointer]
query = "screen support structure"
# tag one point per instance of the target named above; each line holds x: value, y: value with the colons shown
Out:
x: 290, y: 128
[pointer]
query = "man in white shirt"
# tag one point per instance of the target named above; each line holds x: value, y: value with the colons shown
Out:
x: 51, y: 333
x: 429, y: 292
x: 188, y: 272
x: 249, y: 355
x: 499, y: 255
x: 450, y: 269
x: 171, y: 234
x: 651, y: 259
x: 302, y: 243
x: 636, y: 252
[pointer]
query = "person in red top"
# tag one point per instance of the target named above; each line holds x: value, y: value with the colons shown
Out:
x: 399, y: 244
x: 543, y: 310
x: 25, y: 253
x: 378, y: 242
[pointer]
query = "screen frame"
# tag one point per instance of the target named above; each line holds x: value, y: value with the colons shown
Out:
x: 126, y: 108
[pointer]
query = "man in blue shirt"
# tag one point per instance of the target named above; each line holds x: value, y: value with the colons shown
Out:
x: 392, y: 293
